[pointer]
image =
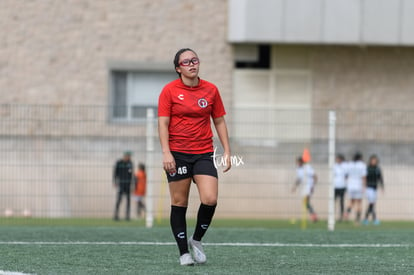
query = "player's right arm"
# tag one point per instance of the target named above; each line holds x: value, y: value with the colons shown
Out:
x: 297, y: 181
x: 164, y: 115
x: 115, y: 175
x: 295, y: 185
x: 380, y: 179
x: 168, y: 160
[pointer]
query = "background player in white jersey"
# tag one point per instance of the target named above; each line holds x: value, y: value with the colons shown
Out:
x: 374, y: 179
x: 305, y: 176
x: 339, y: 171
x: 357, y: 172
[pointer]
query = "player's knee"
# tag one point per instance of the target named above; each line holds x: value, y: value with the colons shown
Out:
x: 209, y: 200
x: 179, y: 201
x: 180, y: 204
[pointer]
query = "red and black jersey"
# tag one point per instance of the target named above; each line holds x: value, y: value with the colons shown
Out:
x: 190, y: 110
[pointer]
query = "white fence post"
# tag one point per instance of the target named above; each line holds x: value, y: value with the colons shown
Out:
x: 149, y: 221
x: 331, y: 195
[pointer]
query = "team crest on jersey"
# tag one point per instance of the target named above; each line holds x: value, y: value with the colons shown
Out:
x: 202, y: 102
x: 172, y: 174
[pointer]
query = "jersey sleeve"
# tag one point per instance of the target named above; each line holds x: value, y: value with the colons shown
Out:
x: 364, y: 170
x: 164, y: 103
x: 345, y: 169
x: 218, y: 106
x: 299, y: 174
x: 311, y: 171
x: 380, y: 178
x: 116, y: 171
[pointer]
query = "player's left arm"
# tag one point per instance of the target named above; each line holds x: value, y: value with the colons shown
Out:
x: 298, y: 181
x: 115, y: 175
x: 221, y: 128
x: 380, y: 179
x: 132, y: 180
x: 364, y: 183
x: 296, y: 184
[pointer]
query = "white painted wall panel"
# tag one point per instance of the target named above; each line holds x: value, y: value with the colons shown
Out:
x: 407, y: 22
x: 303, y: 20
x: 342, y: 19
x: 251, y: 88
x: 264, y: 20
x: 237, y: 20
x: 380, y: 21
x: 354, y: 22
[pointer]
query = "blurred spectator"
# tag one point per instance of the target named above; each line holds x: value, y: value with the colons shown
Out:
x: 122, y: 179
x: 140, y: 188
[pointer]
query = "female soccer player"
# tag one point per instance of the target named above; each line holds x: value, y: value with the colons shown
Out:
x: 140, y: 189
x: 306, y: 176
x: 185, y: 108
x: 356, y: 171
x: 374, y: 178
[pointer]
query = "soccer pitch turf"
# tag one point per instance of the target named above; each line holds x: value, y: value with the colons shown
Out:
x: 232, y: 247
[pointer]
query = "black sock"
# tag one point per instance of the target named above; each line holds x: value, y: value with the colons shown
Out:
x: 204, y: 217
x: 369, y: 211
x: 309, y: 207
x: 358, y: 216
x: 179, y: 227
x: 374, y: 215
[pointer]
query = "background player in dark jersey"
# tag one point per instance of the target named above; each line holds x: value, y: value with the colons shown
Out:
x: 123, y: 178
x: 374, y: 179
x: 186, y: 106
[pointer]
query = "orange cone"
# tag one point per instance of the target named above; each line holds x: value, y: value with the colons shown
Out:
x: 306, y: 156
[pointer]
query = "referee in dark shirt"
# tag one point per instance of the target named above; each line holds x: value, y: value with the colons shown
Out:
x: 123, y: 178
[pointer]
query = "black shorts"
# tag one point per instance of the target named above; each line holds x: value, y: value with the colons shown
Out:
x: 188, y: 165
x: 339, y: 192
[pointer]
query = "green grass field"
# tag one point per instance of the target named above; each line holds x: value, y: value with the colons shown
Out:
x: 73, y: 246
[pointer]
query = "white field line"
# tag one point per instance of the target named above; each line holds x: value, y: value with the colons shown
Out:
x: 2, y: 272
x: 344, y: 245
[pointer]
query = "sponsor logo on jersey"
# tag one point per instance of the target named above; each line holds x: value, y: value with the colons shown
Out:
x: 181, y: 97
x: 202, y: 102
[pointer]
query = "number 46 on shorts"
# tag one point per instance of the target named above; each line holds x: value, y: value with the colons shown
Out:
x: 182, y: 170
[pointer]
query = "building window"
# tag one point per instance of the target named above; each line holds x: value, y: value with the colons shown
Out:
x: 252, y: 56
x: 133, y: 92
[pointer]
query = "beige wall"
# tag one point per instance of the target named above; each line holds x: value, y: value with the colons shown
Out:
x: 363, y: 77
x: 354, y: 77
x: 370, y: 79
x: 57, y: 52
